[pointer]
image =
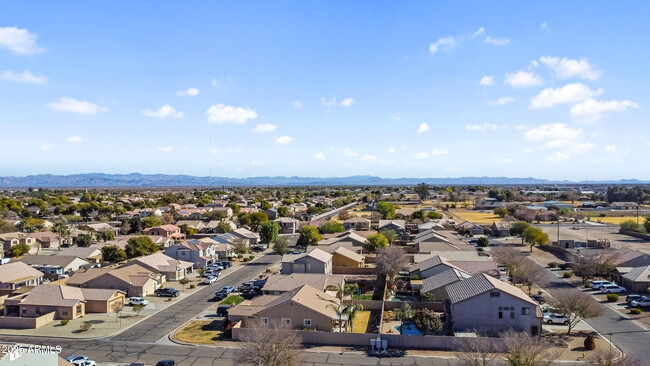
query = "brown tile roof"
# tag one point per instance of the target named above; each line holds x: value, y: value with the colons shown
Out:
x: 284, y: 283
x: 61, y: 295
x: 305, y: 295
x: 17, y: 272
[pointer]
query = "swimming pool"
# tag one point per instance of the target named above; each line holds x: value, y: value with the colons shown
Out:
x: 409, y: 329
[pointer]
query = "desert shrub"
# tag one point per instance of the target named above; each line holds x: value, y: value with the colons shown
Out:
x: 590, y: 342
x: 567, y: 274
x: 635, y: 311
x: 587, y: 285
x: 85, y: 326
x: 192, y: 286
x: 612, y: 297
x: 251, y: 257
x: 65, y: 321
x: 552, y: 265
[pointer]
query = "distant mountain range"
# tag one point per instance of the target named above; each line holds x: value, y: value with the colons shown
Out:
x: 167, y: 180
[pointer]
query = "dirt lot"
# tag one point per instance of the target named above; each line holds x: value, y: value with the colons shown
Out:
x: 610, y: 232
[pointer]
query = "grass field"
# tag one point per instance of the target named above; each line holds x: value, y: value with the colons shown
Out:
x: 615, y: 220
x: 360, y: 323
x: 232, y: 300
x: 476, y: 217
x: 362, y: 297
x: 201, y: 331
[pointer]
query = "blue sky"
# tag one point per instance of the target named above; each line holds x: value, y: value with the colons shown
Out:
x: 552, y: 90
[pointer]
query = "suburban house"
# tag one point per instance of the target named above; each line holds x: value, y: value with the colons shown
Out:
x: 634, y: 279
x: 272, y: 213
x: 344, y: 257
x: 92, y: 254
x: 288, y: 225
x: 431, y: 267
x: 55, y: 264
x: 8, y: 240
x: 500, y: 228
x: 315, y: 261
x: 482, y: 303
x: 65, y: 302
x: 436, y: 284
x: 192, y: 224
x: 246, y: 234
x: 278, y: 284
x: 133, y: 280
x: 624, y: 206
x: 357, y: 223
x: 15, y: 275
x: 348, y: 236
x: 301, y: 308
x: 173, y: 269
x: 200, y: 252
x: 438, y: 263
x: 161, y: 241
x: 103, y: 227
x: 399, y: 226
x: 470, y: 228
x: 559, y: 205
x: 168, y: 231
x: 47, y: 239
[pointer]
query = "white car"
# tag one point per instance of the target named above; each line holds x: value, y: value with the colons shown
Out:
x: 75, y: 358
x: 214, y: 268
x: 642, y: 303
x: 612, y: 289
x: 596, y: 285
x: 552, y: 318
x: 138, y: 301
x: 211, y: 273
x: 84, y: 363
x: 210, y: 280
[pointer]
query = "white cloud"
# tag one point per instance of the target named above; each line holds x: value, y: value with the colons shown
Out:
x: 482, y: 127
x: 347, y: 102
x: 501, y: 160
x: 165, y: 149
x: 478, y: 32
x: 568, y: 94
x: 528, y: 150
x: 543, y: 26
x: 421, y: 155
x: 163, y: 112
x: 25, y: 77
x: 497, y: 41
x: 560, y: 136
x: 522, y: 79
x: 368, y: 158
x: 487, y: 80
x: 265, y: 127
x: 349, y: 152
x: 19, y: 41
x: 391, y: 150
x: 297, y: 104
x: 502, y: 101
x: 590, y: 110
x: 257, y: 162
x: 566, y: 68
x: 327, y: 103
x: 46, y: 146
x: 439, y: 152
x: 76, y: 106
x: 445, y: 44
x: 396, y: 117
x: 214, y: 151
x: 224, y: 113
x: 283, y: 140
x: 319, y: 156
x: 552, y: 132
x: 74, y: 139
x: 521, y: 127
x: 423, y: 128
x: 191, y: 92
x: 610, y: 148
x: 186, y: 148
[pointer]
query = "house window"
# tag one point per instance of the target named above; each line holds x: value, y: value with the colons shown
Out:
x: 307, y: 322
x: 64, y: 312
x: 512, y: 315
x: 265, y: 321
x: 24, y: 311
x: 78, y: 309
x: 525, y: 311
x: 500, y: 314
x: 495, y: 294
x: 286, y: 321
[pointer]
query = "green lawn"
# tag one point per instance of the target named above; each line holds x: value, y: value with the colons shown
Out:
x: 232, y: 300
x: 362, y: 297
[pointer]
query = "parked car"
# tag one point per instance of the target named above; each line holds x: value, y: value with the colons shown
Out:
x: 226, y: 264
x: 296, y: 252
x: 211, y: 273
x: 166, y: 363
x: 549, y: 310
x: 596, y: 285
x: 214, y: 267
x: 84, y: 363
x: 210, y: 280
x: 135, y: 300
x: 73, y: 358
x: 552, y: 318
x: 228, y: 289
x: 220, y: 295
x: 168, y: 292
x: 222, y: 310
x: 633, y: 297
x: 539, y: 298
x: 611, y: 289
x: 247, y: 295
x: 565, y: 266
x: 641, y: 303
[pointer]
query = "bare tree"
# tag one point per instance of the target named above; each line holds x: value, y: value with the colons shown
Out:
x: 513, y: 260
x: 521, y: 350
x: 606, y: 263
x: 575, y: 305
x: 611, y: 358
x: 390, y: 261
x: 584, y: 267
x: 532, y: 273
x: 269, y: 345
x: 476, y: 351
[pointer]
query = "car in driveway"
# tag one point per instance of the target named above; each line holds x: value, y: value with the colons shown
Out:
x: 641, y: 303
x: 136, y: 300
x: 215, y: 267
x: 167, y: 292
x: 228, y: 289
x: 538, y: 298
x: 296, y: 252
x: 84, y: 363
x: 612, y: 289
x: 222, y: 310
x: 549, y: 310
x: 226, y: 264
x: 73, y: 358
x: 596, y: 285
x: 220, y: 295
x: 210, y: 280
x: 633, y: 297
x: 552, y: 318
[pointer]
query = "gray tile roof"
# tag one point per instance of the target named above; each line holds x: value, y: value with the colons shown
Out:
x: 482, y: 283
x: 443, y: 279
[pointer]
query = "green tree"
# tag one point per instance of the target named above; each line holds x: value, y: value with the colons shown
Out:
x: 386, y: 210
x: 535, y: 236
x: 375, y: 243
x: 224, y: 227
x: 391, y: 235
x: 284, y: 211
x: 422, y: 190
x: 646, y: 224
x: 631, y: 225
x: 308, y: 236
x: 282, y: 245
x: 6, y: 227
x: 269, y: 232
x: 151, y: 221
x: 235, y: 208
x: 426, y: 321
x: 314, y: 210
x: 500, y: 211
x: 265, y: 205
x: 139, y: 246
x: 404, y: 314
x: 106, y: 235
x: 428, y: 296
x: 113, y: 253
x: 184, y: 281
x: 257, y: 218
x: 483, y: 242
x: 19, y: 249
x: 137, y: 308
x: 419, y: 215
x: 84, y: 240
x: 433, y: 215
x: 332, y: 227
x: 518, y: 228
x: 351, y: 312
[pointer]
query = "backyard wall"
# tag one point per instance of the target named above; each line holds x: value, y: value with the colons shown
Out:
x: 352, y: 270
x: 14, y: 322
x: 634, y: 234
x: 392, y: 305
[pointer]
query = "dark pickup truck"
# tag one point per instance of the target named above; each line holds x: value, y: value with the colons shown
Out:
x: 168, y: 292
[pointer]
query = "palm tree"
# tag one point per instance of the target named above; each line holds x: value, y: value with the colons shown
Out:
x: 351, y: 312
x: 405, y: 313
x: 339, y: 310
